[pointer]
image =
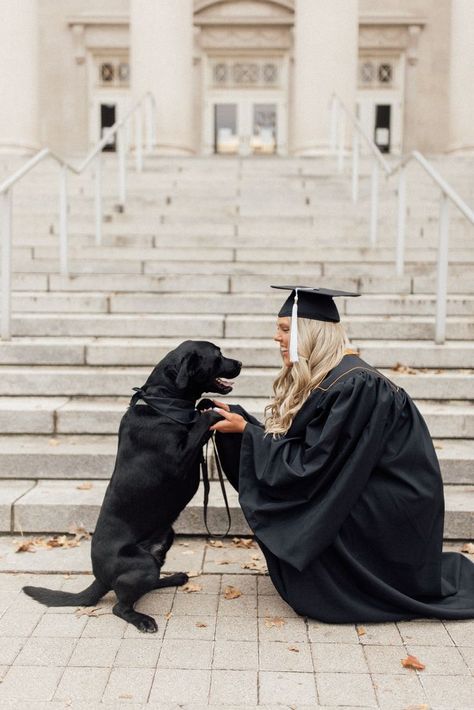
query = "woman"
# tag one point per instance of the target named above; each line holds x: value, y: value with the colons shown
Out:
x: 341, y: 485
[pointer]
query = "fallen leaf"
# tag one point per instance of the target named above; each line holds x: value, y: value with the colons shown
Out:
x: 201, y: 625
x: 187, y: 552
x: 404, y: 369
x: 86, y: 486
x: 231, y: 592
x: 224, y: 561
x: 168, y: 615
x: 468, y: 547
x: 89, y: 611
x: 126, y: 696
x: 295, y: 649
x: 259, y: 567
x: 183, y: 544
x: 361, y: 630
x: 53, y: 442
x: 247, y: 543
x: 215, y: 543
x: 189, y: 587
x: 438, y: 446
x: 194, y: 573
x: 413, y: 662
x: 255, y: 557
x: 277, y: 621
x: 79, y: 532
x: 27, y: 546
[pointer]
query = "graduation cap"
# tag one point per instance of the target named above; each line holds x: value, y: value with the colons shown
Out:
x: 307, y: 302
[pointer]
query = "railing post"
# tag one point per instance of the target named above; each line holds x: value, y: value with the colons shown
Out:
x: 6, y: 216
x: 442, y: 270
x: 138, y: 141
x: 341, y: 124
x: 149, y: 124
x: 355, y: 167
x: 122, y: 169
x: 98, y: 199
x: 63, y: 226
x: 374, y: 203
x: 402, y: 221
x: 333, y: 125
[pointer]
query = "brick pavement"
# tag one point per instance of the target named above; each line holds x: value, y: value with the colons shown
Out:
x: 252, y: 651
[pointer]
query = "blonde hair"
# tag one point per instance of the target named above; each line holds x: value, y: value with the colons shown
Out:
x: 321, y: 347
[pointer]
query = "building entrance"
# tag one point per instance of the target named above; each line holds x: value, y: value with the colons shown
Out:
x: 246, y: 128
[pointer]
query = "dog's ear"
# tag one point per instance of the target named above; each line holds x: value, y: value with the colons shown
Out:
x: 186, y: 370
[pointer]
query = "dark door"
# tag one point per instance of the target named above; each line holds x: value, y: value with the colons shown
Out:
x: 382, y: 127
x: 107, y: 119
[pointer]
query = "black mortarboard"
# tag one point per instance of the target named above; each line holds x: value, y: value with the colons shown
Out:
x: 307, y: 302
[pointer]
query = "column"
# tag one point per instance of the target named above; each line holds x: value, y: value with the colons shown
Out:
x: 161, y: 52
x: 461, y: 87
x: 325, y: 61
x: 18, y: 77
x: 410, y: 99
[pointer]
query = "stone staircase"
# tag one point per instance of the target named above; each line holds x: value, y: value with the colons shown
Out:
x: 192, y: 257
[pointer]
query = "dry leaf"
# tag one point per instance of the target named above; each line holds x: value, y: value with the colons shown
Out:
x: 413, y: 662
x: 231, y: 592
x: 126, y: 696
x: 187, y: 552
x: 404, y: 369
x: 361, y: 630
x: 247, y: 543
x: 53, y: 442
x: 295, y: 649
x: 88, y: 611
x: 183, y: 544
x: 224, y: 561
x: 194, y: 573
x: 201, y: 625
x: 189, y: 587
x: 277, y: 621
x: 255, y: 566
x: 168, y: 615
x: 86, y: 486
x: 468, y: 547
x: 79, y: 532
x: 255, y: 557
x: 28, y: 546
x: 215, y: 543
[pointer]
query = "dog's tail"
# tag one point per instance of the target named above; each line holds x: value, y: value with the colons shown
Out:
x: 55, y: 597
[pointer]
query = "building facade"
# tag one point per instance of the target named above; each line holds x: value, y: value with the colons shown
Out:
x: 238, y: 77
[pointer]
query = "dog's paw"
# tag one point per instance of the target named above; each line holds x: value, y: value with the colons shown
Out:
x: 147, y: 625
x: 181, y: 578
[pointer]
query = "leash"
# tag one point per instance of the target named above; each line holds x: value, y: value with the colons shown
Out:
x: 205, y: 479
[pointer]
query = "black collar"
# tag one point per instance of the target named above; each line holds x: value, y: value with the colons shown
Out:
x: 181, y: 411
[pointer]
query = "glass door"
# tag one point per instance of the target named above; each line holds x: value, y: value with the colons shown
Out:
x: 264, y: 129
x: 226, y: 138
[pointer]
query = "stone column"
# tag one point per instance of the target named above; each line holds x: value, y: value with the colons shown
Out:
x: 410, y: 118
x: 19, y: 131
x: 161, y: 52
x: 325, y: 61
x: 461, y: 87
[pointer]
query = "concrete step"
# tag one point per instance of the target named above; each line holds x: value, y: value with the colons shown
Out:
x: 101, y: 415
x: 229, y: 304
x: 253, y: 353
x: 73, y: 456
x: 210, y: 326
x: 56, y: 506
x: 57, y: 381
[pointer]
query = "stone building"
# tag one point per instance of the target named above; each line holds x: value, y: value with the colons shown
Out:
x: 238, y: 76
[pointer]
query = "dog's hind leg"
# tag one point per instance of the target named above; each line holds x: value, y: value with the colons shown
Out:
x: 129, y: 587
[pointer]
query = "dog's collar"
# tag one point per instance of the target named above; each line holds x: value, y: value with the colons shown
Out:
x: 181, y: 411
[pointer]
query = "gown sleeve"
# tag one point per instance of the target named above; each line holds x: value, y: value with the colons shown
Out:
x: 297, y: 490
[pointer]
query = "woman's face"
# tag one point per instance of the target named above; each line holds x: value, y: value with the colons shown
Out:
x: 282, y: 337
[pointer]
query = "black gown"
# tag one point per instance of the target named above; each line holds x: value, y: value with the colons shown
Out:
x: 348, y: 505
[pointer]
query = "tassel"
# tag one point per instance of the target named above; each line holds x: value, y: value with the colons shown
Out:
x: 294, y: 330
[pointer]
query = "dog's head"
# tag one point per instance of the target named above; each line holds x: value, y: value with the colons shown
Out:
x: 191, y: 369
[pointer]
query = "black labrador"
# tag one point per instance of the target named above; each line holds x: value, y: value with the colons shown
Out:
x: 155, y: 476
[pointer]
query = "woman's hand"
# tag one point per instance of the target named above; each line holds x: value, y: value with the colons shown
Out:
x: 221, y: 405
x: 231, y: 424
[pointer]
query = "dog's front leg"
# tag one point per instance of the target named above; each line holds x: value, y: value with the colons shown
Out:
x: 199, y: 433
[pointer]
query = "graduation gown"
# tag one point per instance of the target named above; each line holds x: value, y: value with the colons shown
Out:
x: 348, y: 505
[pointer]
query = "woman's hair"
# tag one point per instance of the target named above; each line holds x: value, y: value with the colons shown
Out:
x: 321, y: 347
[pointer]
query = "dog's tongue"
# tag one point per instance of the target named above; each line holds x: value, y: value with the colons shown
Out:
x: 225, y: 383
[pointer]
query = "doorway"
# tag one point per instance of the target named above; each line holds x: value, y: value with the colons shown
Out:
x: 107, y: 119
x: 246, y: 127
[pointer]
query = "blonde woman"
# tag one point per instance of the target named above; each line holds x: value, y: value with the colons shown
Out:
x: 341, y: 485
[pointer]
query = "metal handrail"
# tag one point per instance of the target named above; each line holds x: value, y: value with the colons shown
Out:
x: 339, y: 113
x: 94, y: 156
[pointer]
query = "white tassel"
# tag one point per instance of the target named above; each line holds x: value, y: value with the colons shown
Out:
x: 294, y: 330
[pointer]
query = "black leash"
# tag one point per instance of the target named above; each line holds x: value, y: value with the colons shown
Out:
x: 205, y: 479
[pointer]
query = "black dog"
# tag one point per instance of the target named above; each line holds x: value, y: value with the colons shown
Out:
x: 155, y: 476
